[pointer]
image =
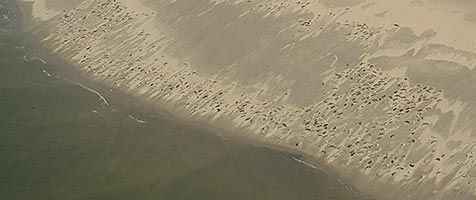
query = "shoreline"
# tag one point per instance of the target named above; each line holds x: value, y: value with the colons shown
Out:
x: 101, y: 127
x: 102, y: 90
x: 220, y: 126
x: 223, y: 123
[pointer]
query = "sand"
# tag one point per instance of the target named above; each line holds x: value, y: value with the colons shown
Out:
x: 382, y: 91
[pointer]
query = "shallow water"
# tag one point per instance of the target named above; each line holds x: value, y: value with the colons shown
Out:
x: 61, y: 140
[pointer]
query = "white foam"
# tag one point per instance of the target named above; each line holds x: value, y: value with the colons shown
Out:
x: 304, y: 162
x: 137, y: 120
x: 347, y: 187
x: 39, y: 59
x: 26, y: 59
x: 103, y: 99
x: 46, y: 72
x: 222, y: 137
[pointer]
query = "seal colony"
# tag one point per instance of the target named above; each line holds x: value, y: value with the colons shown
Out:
x: 358, y: 106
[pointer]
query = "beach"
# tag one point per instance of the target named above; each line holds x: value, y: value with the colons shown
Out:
x: 385, y: 99
x: 66, y: 137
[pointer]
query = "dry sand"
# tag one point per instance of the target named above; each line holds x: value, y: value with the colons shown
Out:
x: 381, y: 90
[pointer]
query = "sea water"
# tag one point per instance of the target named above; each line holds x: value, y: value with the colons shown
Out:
x: 63, y: 138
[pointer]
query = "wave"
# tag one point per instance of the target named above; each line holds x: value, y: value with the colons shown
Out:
x: 350, y: 188
x: 26, y: 59
x: 222, y: 137
x: 101, y: 97
x: 304, y: 162
x: 346, y: 186
x: 137, y: 120
x: 46, y: 73
x: 39, y: 59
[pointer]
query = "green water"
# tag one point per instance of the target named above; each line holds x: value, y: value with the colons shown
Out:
x: 61, y: 141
